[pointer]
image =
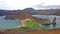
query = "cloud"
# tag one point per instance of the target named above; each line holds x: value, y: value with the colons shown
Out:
x: 51, y: 2
x: 17, y: 4
x: 21, y: 4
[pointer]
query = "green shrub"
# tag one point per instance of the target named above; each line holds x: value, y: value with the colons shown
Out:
x: 34, y: 25
x: 23, y: 28
x: 31, y: 24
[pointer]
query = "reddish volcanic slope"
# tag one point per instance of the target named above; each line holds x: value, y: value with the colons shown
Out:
x: 51, y: 31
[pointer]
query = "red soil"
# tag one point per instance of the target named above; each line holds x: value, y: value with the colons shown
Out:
x: 51, y: 31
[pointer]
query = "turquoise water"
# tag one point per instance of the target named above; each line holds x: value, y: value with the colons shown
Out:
x: 50, y: 17
x: 5, y: 24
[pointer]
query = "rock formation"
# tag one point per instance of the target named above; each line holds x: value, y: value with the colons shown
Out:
x: 42, y: 21
x: 10, y: 17
x: 54, y: 20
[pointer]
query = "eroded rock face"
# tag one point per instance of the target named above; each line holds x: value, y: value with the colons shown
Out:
x: 23, y: 22
x: 54, y: 20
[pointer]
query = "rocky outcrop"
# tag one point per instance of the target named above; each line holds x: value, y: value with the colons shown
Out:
x: 10, y: 17
x: 42, y: 21
x: 54, y: 20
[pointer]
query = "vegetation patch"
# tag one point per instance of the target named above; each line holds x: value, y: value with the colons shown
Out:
x: 30, y: 25
x: 35, y: 26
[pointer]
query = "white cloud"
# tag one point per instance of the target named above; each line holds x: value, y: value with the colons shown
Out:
x: 20, y: 4
x: 51, y: 2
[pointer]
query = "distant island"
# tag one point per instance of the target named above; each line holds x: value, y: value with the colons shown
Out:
x: 31, y: 11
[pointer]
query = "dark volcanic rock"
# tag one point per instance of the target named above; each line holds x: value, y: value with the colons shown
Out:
x: 42, y: 21
x: 29, y: 10
x: 10, y: 17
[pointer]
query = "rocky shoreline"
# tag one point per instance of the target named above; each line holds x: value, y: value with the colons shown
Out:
x: 50, y: 31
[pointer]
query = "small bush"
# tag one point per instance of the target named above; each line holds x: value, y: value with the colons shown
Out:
x: 34, y: 25
x: 31, y: 24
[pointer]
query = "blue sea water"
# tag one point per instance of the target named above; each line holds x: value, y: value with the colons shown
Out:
x: 6, y: 24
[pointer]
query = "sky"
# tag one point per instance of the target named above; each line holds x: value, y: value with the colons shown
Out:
x: 21, y: 4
